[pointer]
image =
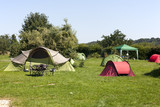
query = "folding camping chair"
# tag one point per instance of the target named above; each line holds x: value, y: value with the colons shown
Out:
x: 38, y: 69
x: 51, y: 71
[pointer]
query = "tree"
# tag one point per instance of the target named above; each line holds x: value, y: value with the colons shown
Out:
x: 115, y: 39
x: 35, y: 20
x: 38, y: 32
x: 4, y: 43
x: 66, y: 38
x: 28, y: 41
x: 14, y: 46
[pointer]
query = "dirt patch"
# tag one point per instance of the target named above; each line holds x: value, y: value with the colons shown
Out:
x: 52, y: 84
x: 5, y: 103
x: 17, y: 82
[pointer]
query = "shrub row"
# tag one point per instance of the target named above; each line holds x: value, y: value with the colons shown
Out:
x: 97, y: 51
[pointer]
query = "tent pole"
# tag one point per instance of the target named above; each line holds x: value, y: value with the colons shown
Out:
x: 121, y: 53
x: 137, y: 54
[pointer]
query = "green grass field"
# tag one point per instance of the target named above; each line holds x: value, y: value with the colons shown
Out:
x: 83, y: 88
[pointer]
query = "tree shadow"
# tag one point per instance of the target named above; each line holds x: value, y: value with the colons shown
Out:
x: 154, y: 73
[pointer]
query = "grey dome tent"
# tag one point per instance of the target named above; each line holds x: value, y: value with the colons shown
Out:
x: 39, y: 55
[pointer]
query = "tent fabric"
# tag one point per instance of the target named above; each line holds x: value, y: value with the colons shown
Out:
x: 114, y: 58
x: 66, y: 67
x: 72, y: 61
x: 81, y: 56
x: 117, y: 69
x: 56, y: 56
x: 59, y: 59
x: 155, y: 58
x: 125, y: 47
x: 41, y: 55
x: 26, y: 53
x: 20, y: 59
x: 13, y: 67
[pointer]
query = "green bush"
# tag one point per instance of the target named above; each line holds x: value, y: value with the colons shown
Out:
x: 81, y: 64
x: 95, y: 55
x: 75, y: 65
x: 89, y: 49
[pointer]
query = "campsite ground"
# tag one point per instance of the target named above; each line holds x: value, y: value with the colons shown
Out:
x: 83, y: 87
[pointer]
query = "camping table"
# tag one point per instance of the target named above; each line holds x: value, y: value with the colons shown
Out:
x: 38, y: 69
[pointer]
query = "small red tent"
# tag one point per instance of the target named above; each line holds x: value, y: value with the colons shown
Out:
x: 155, y: 58
x: 117, y: 69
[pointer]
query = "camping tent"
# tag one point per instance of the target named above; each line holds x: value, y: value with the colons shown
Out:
x: 127, y: 48
x: 81, y: 56
x: 40, y: 55
x: 114, y: 58
x: 117, y: 69
x: 155, y: 58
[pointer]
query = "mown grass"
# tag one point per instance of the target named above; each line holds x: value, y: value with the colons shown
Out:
x: 84, y: 87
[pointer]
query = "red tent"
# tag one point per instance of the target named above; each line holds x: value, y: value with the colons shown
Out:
x: 155, y: 58
x: 117, y: 69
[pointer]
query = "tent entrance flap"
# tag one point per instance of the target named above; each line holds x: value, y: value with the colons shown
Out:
x: 39, y: 53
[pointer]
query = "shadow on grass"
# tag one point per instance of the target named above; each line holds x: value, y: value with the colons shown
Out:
x: 154, y: 73
x: 34, y: 75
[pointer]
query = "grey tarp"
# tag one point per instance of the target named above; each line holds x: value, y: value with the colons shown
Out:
x: 20, y: 59
x: 56, y: 57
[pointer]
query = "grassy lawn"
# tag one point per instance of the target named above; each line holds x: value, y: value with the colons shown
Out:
x: 83, y: 88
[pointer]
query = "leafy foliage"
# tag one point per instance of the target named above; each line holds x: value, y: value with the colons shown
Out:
x: 35, y: 33
x: 35, y: 20
x: 155, y: 41
x: 4, y: 43
x: 89, y: 49
x: 147, y: 49
x: 28, y: 41
x: 14, y: 46
x: 115, y: 39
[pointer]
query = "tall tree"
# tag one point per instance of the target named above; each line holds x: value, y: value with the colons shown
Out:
x: 13, y: 39
x: 66, y: 39
x: 35, y: 20
x: 4, y: 43
x: 14, y: 46
x: 28, y: 41
x: 117, y: 38
x: 38, y: 32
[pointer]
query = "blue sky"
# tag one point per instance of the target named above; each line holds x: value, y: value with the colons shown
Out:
x: 89, y: 18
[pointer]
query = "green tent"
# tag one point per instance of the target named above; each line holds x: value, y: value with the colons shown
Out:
x: 114, y: 58
x: 40, y: 55
x: 14, y: 67
x: 127, y: 48
x: 81, y: 56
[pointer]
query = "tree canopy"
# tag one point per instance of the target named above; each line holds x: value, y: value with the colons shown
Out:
x: 35, y: 20
x: 115, y: 39
x: 38, y: 32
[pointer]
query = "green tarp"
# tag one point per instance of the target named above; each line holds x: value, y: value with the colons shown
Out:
x: 114, y: 58
x: 127, y: 48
